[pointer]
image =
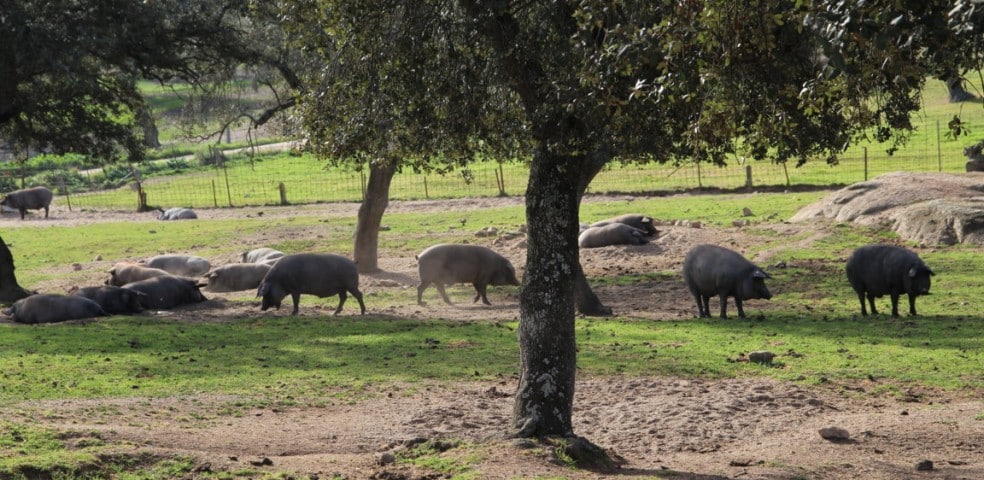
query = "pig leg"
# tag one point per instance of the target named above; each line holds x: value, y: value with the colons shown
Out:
x: 895, y: 304
x: 480, y: 289
x: 45, y: 212
x: 871, y: 301
x: 358, y: 296
x: 444, y: 295
x: 341, y: 301
x: 864, y: 311
x: 297, y: 300
x: 420, y: 291
x: 741, y: 313
x: 912, y: 304
x: 724, y: 306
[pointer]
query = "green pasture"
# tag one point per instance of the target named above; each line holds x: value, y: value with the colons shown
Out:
x: 269, y: 360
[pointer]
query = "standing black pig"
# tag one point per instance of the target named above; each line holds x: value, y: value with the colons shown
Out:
x: 50, y: 308
x: 114, y: 300
x: 712, y: 270
x: 876, y: 270
x: 320, y: 274
x: 28, y: 198
x: 446, y: 264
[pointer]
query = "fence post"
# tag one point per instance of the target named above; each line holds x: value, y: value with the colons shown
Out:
x: 500, y: 180
x: 939, y: 151
x: 866, y: 164
x: 785, y: 170
x: 215, y: 195
x: 426, y: 194
x: 700, y: 185
x: 283, y: 193
x: 748, y: 177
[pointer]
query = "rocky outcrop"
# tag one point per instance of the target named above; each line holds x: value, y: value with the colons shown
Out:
x: 930, y: 208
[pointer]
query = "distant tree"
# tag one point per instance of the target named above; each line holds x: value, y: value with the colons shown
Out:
x: 68, y: 67
x: 576, y: 85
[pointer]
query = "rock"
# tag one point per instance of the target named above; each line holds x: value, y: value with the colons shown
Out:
x: 746, y: 212
x: 695, y: 224
x: 761, y: 356
x: 387, y: 458
x: 740, y: 223
x: 924, y: 465
x: 930, y: 208
x: 835, y: 434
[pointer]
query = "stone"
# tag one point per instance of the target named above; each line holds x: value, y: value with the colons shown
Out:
x: 761, y: 356
x: 746, y: 212
x: 835, y: 434
x: 924, y: 465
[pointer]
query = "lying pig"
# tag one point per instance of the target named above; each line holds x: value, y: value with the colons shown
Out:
x: 236, y: 277
x: 319, y: 274
x: 176, y: 214
x: 447, y: 264
x: 635, y: 220
x: 261, y: 255
x: 181, y: 265
x: 711, y: 270
x: 124, y: 272
x: 611, y: 234
x: 167, y: 291
x: 50, y: 308
x: 114, y: 300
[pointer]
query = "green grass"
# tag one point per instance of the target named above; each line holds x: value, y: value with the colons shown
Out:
x: 812, y: 324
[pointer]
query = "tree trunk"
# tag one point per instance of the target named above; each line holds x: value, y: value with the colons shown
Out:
x: 545, y: 395
x: 146, y: 122
x: 371, y: 211
x: 10, y: 291
x: 958, y: 93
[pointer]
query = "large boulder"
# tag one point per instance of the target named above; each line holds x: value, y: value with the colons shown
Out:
x: 931, y: 208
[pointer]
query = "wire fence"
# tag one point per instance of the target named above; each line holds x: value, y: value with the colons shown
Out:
x: 301, y: 180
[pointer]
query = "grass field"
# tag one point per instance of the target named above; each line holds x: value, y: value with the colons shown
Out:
x: 318, y: 361
x: 256, y: 179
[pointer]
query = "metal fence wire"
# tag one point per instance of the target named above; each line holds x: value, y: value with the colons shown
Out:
x: 308, y: 181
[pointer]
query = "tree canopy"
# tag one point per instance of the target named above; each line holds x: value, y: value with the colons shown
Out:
x: 574, y: 85
x: 68, y: 68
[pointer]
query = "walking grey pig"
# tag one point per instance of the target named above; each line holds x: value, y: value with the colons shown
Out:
x: 877, y: 270
x: 182, y: 265
x: 711, y: 270
x: 446, y: 264
x: 642, y: 222
x: 50, y: 308
x: 114, y: 300
x: 28, y: 198
x: 176, y: 213
x: 319, y: 274
x: 236, y: 277
x: 125, y: 272
x: 261, y: 255
x: 611, y: 234
x: 168, y: 291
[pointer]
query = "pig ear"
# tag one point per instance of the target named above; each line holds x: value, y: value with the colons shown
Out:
x: 758, y: 273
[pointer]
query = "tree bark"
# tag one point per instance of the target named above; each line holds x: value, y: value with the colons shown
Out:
x: 370, y: 217
x: 545, y: 395
x: 958, y: 93
x: 10, y: 291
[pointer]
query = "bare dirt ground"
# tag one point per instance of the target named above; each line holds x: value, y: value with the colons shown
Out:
x: 661, y: 427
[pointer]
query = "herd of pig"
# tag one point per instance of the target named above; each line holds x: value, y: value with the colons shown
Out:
x: 169, y: 281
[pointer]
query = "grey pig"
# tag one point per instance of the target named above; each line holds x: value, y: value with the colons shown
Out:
x: 168, y: 291
x: 28, y: 198
x: 261, y: 255
x: 319, y: 274
x: 711, y: 270
x: 611, y: 234
x: 50, y: 308
x: 125, y: 272
x: 114, y: 300
x: 642, y: 222
x: 236, y: 277
x: 446, y: 264
x: 177, y: 213
x: 181, y: 265
x: 876, y: 270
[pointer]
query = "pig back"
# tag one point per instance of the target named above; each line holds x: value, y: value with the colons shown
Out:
x: 320, y: 274
x: 453, y: 263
